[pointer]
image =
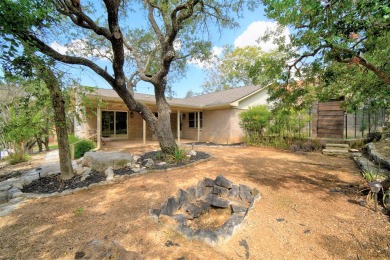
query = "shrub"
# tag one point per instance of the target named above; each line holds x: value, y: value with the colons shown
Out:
x: 179, y: 155
x: 308, y: 146
x: 17, y: 158
x: 255, y: 119
x: 294, y: 148
x: 82, y: 147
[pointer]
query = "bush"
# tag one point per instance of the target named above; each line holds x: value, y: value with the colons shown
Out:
x: 15, y: 158
x: 255, y: 119
x: 82, y: 147
x: 308, y: 146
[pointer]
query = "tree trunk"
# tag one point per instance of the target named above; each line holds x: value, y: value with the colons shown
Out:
x: 46, y: 143
x: 164, y: 131
x: 39, y: 143
x: 60, y: 123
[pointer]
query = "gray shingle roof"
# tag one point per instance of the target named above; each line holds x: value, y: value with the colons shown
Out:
x: 225, y: 97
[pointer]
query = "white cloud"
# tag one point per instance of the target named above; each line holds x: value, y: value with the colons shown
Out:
x: 58, y: 47
x: 256, y: 30
x: 211, y: 61
x: 81, y: 48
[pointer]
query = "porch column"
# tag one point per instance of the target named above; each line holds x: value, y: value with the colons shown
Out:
x: 99, y: 128
x: 178, y: 126
x: 198, y: 126
x: 144, y: 131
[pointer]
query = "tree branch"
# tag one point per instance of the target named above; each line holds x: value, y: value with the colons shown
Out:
x: 81, y: 19
x: 361, y: 61
x: 153, y: 22
x: 46, y: 49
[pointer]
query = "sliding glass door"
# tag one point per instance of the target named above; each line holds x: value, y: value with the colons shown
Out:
x: 114, y: 124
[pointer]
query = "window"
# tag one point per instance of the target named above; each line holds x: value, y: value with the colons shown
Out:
x: 193, y: 120
x: 114, y: 124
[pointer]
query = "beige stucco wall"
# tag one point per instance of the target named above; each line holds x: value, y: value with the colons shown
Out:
x: 219, y: 126
x: 260, y: 98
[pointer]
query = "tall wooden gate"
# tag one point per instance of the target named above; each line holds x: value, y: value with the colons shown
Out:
x: 328, y: 120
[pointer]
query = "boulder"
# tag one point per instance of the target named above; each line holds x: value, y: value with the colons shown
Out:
x: 100, y: 161
x: 104, y: 250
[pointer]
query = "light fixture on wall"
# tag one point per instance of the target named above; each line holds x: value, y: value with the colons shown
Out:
x: 183, y: 116
x: 131, y: 114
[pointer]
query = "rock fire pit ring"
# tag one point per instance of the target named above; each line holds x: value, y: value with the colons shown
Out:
x: 219, y: 198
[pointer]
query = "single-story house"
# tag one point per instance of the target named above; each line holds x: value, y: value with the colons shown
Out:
x: 212, y: 117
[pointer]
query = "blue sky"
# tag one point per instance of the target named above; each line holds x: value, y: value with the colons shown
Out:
x: 252, y: 25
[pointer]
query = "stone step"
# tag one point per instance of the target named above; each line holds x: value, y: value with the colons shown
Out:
x: 366, y: 165
x: 335, y: 152
x: 337, y: 146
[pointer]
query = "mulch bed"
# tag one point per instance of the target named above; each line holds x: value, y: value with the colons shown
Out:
x: 10, y: 175
x: 54, y: 183
x: 214, y: 144
x: 160, y: 164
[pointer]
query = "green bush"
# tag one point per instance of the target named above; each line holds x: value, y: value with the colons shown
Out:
x: 255, y: 119
x: 82, y: 147
x: 17, y: 158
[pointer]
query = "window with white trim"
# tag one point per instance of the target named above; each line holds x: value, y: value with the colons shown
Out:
x: 193, y: 120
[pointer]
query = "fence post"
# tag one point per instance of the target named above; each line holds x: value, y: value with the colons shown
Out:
x: 346, y: 125
x: 72, y: 151
x: 355, y: 123
x: 369, y: 121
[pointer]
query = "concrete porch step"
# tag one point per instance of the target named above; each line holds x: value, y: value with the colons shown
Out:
x: 335, y: 152
x: 337, y: 146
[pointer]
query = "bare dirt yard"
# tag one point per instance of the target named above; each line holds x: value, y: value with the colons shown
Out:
x: 309, y: 210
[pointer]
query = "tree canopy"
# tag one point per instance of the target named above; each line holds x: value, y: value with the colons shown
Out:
x: 343, y: 47
x: 244, y: 66
x: 172, y: 34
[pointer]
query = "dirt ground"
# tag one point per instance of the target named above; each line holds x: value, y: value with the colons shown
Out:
x: 309, y: 210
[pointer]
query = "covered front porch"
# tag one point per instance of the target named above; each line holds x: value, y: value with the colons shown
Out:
x: 115, y: 125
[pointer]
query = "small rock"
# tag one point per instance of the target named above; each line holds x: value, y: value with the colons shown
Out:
x: 3, y: 196
x: 216, y: 201
x: 181, y: 219
x: 238, y: 208
x: 220, y: 191
x: 169, y: 207
x: 109, y: 174
x: 79, y: 161
x: 182, y: 197
x: 223, y: 182
x: 245, y: 193
x: 169, y: 243
x: 191, y: 193
x: 233, y: 192
x: 209, y: 182
x: 148, y: 163
x: 200, y: 189
x: 18, y: 185
x: 136, y: 157
x: 5, y: 187
x: 192, y: 153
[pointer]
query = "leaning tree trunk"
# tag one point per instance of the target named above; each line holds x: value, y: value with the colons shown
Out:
x: 60, y: 123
